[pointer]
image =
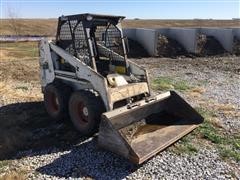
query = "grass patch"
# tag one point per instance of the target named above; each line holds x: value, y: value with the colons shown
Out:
x: 18, y: 50
x: 24, y: 88
x: 228, y: 145
x: 209, y: 132
x: 189, y: 148
x: 185, y: 145
x: 167, y: 83
x: 229, y: 152
x: 207, y: 129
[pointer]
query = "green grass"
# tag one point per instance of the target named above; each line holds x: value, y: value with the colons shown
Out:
x: 167, y: 83
x: 209, y: 132
x: 189, y: 148
x: 20, y: 49
x: 228, y: 145
x: 185, y: 145
x: 22, y: 88
x: 229, y: 152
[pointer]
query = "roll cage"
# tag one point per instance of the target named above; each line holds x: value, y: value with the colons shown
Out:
x: 97, y: 40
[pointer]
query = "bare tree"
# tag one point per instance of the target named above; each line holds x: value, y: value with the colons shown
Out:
x: 14, y: 22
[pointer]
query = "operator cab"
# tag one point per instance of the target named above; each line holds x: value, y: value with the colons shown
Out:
x: 96, y: 40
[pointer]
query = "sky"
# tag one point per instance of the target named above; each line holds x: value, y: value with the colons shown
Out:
x: 144, y: 9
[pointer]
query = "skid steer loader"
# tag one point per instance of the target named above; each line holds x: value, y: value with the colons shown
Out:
x: 87, y: 77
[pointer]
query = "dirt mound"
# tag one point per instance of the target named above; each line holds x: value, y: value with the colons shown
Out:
x: 236, y: 46
x: 208, y: 46
x: 201, y: 41
x: 168, y: 47
x: 136, y: 50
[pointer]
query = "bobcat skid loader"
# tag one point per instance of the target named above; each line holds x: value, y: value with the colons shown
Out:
x: 87, y: 77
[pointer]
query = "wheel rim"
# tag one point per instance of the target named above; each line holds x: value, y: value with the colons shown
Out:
x: 54, y: 102
x: 82, y: 113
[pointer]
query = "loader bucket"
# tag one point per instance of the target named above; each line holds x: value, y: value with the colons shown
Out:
x: 139, y: 132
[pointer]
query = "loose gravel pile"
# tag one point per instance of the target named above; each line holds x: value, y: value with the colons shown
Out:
x: 86, y: 161
x: 208, y: 46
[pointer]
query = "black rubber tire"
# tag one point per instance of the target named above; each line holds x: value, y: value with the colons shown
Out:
x: 56, y: 97
x: 85, y: 111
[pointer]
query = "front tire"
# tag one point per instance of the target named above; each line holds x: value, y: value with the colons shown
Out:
x: 56, y: 98
x: 85, y: 111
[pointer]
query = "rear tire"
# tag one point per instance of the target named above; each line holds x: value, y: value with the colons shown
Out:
x: 85, y: 111
x: 56, y: 96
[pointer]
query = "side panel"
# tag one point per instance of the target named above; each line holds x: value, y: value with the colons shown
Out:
x: 83, y: 71
x: 46, y: 65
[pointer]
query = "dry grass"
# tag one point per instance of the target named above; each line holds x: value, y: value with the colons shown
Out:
x: 225, y: 107
x: 3, y: 54
x: 228, y: 110
x: 13, y: 91
x: 19, y: 62
x: 48, y: 26
x: 17, y: 51
x: 199, y: 90
x: 24, y: 71
x: 196, y: 92
x: 180, y: 23
x: 14, y: 175
x: 45, y: 27
x: 19, y: 82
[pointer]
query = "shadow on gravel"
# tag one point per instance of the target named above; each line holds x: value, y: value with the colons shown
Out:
x: 27, y: 131
x: 88, y: 161
x: 27, y: 127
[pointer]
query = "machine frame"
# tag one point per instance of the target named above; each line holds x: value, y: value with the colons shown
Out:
x: 86, y: 76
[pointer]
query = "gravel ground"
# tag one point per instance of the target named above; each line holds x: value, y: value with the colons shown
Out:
x: 86, y: 161
x: 83, y: 159
x: 220, y: 79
